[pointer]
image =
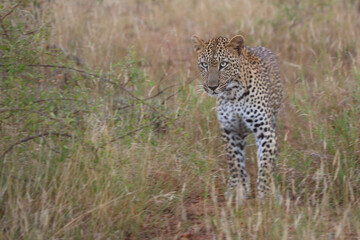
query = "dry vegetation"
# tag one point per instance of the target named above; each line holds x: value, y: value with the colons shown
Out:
x: 129, y: 147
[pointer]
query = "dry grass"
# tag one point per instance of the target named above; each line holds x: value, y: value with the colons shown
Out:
x: 169, y: 184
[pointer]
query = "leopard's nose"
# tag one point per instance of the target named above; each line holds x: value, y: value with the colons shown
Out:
x: 213, y: 87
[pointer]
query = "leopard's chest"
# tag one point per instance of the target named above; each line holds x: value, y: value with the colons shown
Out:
x: 231, y: 107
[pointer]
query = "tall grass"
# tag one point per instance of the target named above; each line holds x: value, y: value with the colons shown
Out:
x: 133, y: 166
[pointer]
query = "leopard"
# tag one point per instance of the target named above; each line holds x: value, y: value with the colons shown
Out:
x: 246, y: 83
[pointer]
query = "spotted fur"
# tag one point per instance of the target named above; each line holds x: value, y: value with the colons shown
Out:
x: 246, y: 82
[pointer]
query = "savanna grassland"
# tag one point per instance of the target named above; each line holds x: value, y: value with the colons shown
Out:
x: 106, y: 132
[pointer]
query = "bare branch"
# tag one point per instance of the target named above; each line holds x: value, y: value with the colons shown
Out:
x: 32, y: 111
x: 12, y: 110
x: 106, y: 80
x: 33, y: 137
x: 63, y: 67
x: 142, y: 101
x: 160, y: 92
x: 5, y: 32
x: 125, y: 135
x: 172, y: 95
x: 11, y: 10
x: 58, y: 99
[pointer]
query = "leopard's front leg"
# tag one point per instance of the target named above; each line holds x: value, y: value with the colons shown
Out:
x: 267, y: 149
x: 235, y: 148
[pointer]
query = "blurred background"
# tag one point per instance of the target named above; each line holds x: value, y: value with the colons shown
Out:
x: 106, y: 132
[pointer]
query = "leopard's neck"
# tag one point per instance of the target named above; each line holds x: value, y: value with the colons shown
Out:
x: 246, y: 61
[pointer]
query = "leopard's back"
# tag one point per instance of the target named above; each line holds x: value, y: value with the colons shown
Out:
x: 271, y: 72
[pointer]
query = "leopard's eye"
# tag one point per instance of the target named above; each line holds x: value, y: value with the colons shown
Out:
x: 223, y: 64
x: 204, y: 64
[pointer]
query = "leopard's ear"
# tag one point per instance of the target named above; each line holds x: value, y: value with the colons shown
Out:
x: 236, y: 43
x: 197, y: 43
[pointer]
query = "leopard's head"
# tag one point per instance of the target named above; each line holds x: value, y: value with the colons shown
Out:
x: 218, y: 61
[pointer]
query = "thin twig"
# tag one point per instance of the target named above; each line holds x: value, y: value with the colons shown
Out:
x: 172, y: 95
x: 130, y: 133
x: 63, y: 67
x: 160, y: 92
x: 125, y: 135
x: 42, y: 100
x: 148, y: 98
x: 33, y: 137
x: 123, y: 107
x: 52, y: 149
x: 12, y: 110
x: 107, y: 80
x: 31, y: 32
x: 142, y: 101
x: 32, y: 111
x: 12, y: 9
x: 5, y: 32
x: 58, y: 99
